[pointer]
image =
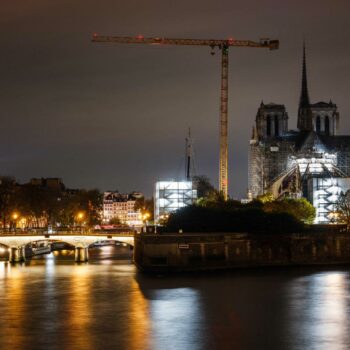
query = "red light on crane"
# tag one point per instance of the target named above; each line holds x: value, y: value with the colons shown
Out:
x: 95, y: 35
x: 140, y: 37
x: 231, y: 40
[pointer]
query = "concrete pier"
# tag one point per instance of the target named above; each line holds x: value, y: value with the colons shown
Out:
x: 17, y: 254
x: 81, y: 254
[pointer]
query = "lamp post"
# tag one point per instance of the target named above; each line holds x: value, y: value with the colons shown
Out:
x: 14, y: 216
x: 79, y: 218
x: 145, y: 217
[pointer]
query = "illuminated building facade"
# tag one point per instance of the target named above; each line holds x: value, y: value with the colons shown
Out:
x: 312, y: 162
x: 122, y: 206
x: 172, y: 195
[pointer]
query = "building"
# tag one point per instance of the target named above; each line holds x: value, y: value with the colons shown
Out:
x: 53, y: 183
x: 313, y: 162
x: 172, y: 195
x: 122, y: 206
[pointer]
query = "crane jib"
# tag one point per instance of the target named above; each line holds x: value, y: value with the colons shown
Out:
x: 263, y: 43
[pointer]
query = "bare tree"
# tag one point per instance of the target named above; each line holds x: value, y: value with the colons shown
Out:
x: 342, y: 214
x: 7, y: 198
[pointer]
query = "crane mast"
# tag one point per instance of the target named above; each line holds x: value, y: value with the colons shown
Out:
x: 223, y: 45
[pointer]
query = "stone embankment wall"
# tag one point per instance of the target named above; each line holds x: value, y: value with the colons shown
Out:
x: 181, y: 252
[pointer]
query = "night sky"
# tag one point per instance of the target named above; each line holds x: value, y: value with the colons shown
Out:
x: 116, y: 116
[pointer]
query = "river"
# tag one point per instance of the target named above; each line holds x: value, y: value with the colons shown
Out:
x: 52, y: 303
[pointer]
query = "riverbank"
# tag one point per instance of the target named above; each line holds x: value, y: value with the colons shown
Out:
x: 207, y: 251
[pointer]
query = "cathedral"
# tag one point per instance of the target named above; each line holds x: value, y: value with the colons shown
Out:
x: 312, y: 162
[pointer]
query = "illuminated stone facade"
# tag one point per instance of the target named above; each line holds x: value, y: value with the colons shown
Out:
x: 286, y: 162
x: 122, y: 207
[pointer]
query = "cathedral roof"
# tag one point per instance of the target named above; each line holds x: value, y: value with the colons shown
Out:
x: 272, y: 105
x: 305, y: 141
x: 323, y: 104
x: 336, y: 142
x: 310, y: 141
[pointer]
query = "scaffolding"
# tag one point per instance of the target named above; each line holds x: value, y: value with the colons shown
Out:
x: 325, y: 193
x: 170, y: 196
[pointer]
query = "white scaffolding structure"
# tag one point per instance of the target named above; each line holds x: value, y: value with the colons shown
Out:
x: 172, y: 195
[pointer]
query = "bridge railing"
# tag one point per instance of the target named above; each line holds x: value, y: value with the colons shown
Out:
x: 66, y: 233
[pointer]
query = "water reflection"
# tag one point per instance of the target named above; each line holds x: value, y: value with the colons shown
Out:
x: 139, y: 319
x: 79, y: 317
x: 13, y: 309
x: 53, y: 303
x: 320, y: 311
x: 176, y: 319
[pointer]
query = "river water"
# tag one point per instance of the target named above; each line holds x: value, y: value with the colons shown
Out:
x: 52, y: 303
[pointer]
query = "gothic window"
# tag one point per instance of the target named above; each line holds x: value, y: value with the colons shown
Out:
x: 318, y: 124
x: 268, y: 126
x: 326, y: 125
x: 276, y: 125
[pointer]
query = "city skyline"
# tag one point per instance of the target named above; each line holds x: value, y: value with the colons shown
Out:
x: 117, y: 117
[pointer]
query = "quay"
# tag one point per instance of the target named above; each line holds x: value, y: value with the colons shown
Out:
x: 168, y: 252
x: 207, y: 251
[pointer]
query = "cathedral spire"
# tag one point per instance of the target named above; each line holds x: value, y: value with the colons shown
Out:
x: 304, y: 113
x: 304, y: 97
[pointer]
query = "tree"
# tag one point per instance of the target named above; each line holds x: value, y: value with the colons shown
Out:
x: 300, y: 208
x: 146, y: 206
x: 36, y: 203
x: 207, y: 195
x: 8, y: 199
x: 342, y: 214
x: 265, y: 198
x: 93, y: 203
x: 88, y: 202
x: 195, y: 218
x: 114, y: 221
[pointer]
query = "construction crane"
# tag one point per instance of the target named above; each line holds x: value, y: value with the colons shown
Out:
x: 224, y: 46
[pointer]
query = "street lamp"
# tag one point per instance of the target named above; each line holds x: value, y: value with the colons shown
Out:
x: 146, y: 216
x: 79, y: 217
x: 15, y: 216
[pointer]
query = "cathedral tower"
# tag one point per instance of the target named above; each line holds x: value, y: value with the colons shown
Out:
x: 271, y: 121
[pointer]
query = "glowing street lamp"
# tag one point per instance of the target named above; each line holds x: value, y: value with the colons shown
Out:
x: 80, y: 217
x: 146, y: 216
x: 14, y: 217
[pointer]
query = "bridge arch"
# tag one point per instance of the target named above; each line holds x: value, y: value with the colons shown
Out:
x: 81, y: 242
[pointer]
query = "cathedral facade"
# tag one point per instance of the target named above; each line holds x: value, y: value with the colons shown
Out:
x: 312, y: 162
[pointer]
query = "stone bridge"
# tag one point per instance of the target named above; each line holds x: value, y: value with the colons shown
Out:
x: 81, y: 241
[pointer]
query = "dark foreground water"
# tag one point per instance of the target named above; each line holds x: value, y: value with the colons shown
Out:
x: 53, y: 303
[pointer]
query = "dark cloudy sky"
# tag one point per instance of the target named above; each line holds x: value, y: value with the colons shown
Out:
x: 116, y: 116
